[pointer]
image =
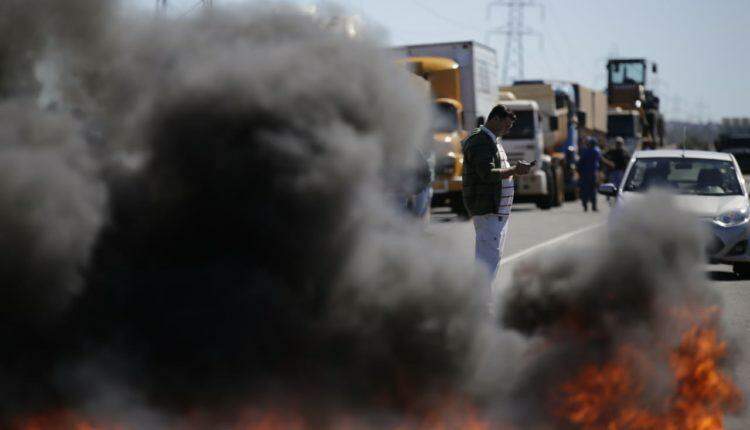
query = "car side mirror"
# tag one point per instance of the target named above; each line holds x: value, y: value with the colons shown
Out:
x: 609, y: 190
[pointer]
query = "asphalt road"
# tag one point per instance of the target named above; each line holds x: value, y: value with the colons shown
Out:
x: 534, y: 232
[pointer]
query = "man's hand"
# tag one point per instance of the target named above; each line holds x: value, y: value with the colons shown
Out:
x: 522, y: 167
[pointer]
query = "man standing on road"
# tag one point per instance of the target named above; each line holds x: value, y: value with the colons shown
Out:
x: 588, y: 168
x: 488, y: 187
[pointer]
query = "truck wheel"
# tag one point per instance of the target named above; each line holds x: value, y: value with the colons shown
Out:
x: 572, y: 195
x: 741, y: 269
x: 547, y: 201
x: 559, y: 187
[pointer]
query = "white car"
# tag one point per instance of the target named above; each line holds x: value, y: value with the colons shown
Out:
x: 707, y: 184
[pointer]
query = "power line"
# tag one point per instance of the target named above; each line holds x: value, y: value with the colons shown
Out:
x: 195, y: 6
x: 438, y: 15
x: 163, y: 5
x: 204, y: 3
x: 514, y: 31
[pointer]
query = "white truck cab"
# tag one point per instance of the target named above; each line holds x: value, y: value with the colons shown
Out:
x: 525, y: 141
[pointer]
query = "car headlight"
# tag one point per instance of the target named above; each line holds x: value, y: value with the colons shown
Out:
x: 733, y: 218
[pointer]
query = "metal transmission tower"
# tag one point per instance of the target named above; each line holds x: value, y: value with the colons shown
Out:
x: 514, y: 31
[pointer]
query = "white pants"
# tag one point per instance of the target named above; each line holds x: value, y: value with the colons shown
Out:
x: 491, y: 231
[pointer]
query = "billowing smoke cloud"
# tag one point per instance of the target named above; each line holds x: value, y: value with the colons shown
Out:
x: 51, y: 201
x: 256, y: 253
x: 248, y: 252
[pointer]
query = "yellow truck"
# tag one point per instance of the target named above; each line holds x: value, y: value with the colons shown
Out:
x: 443, y: 76
x: 463, y: 81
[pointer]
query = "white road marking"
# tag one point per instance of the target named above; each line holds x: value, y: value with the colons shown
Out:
x: 537, y: 247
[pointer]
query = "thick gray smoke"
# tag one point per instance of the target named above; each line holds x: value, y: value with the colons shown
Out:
x: 256, y: 253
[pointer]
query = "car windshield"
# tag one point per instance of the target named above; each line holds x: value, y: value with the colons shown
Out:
x: 523, y: 128
x: 445, y: 118
x: 684, y: 176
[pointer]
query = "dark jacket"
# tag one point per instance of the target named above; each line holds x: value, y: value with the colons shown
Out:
x: 481, y: 175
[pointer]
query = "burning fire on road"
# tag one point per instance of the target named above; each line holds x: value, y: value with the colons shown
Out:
x: 204, y: 239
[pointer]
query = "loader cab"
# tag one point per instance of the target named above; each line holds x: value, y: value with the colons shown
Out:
x: 627, y: 72
x: 626, y: 83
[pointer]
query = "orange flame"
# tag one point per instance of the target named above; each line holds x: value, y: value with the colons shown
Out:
x: 452, y: 412
x: 452, y: 415
x: 609, y: 396
x: 60, y: 420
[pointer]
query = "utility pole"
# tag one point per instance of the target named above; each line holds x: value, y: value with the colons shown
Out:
x: 514, y: 31
x: 161, y: 6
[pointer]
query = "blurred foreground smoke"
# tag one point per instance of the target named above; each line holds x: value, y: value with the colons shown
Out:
x: 255, y: 252
x: 254, y: 255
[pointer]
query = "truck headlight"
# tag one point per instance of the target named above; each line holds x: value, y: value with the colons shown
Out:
x: 733, y: 218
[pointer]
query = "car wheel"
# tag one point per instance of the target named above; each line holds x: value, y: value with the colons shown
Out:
x: 741, y: 269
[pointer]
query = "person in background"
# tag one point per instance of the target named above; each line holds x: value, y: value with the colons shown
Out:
x: 588, y: 169
x: 488, y: 189
x: 419, y: 202
x: 617, y: 160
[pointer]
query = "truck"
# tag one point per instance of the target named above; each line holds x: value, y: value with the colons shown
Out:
x: 592, y: 111
x: 629, y: 97
x: 734, y: 137
x: 556, y: 111
x: 463, y: 79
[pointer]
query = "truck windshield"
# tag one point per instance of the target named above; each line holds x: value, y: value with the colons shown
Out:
x: 621, y: 125
x: 684, y: 176
x: 627, y: 73
x: 444, y: 118
x: 523, y: 128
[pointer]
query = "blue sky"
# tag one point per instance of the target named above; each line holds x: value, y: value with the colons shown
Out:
x: 702, y: 47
